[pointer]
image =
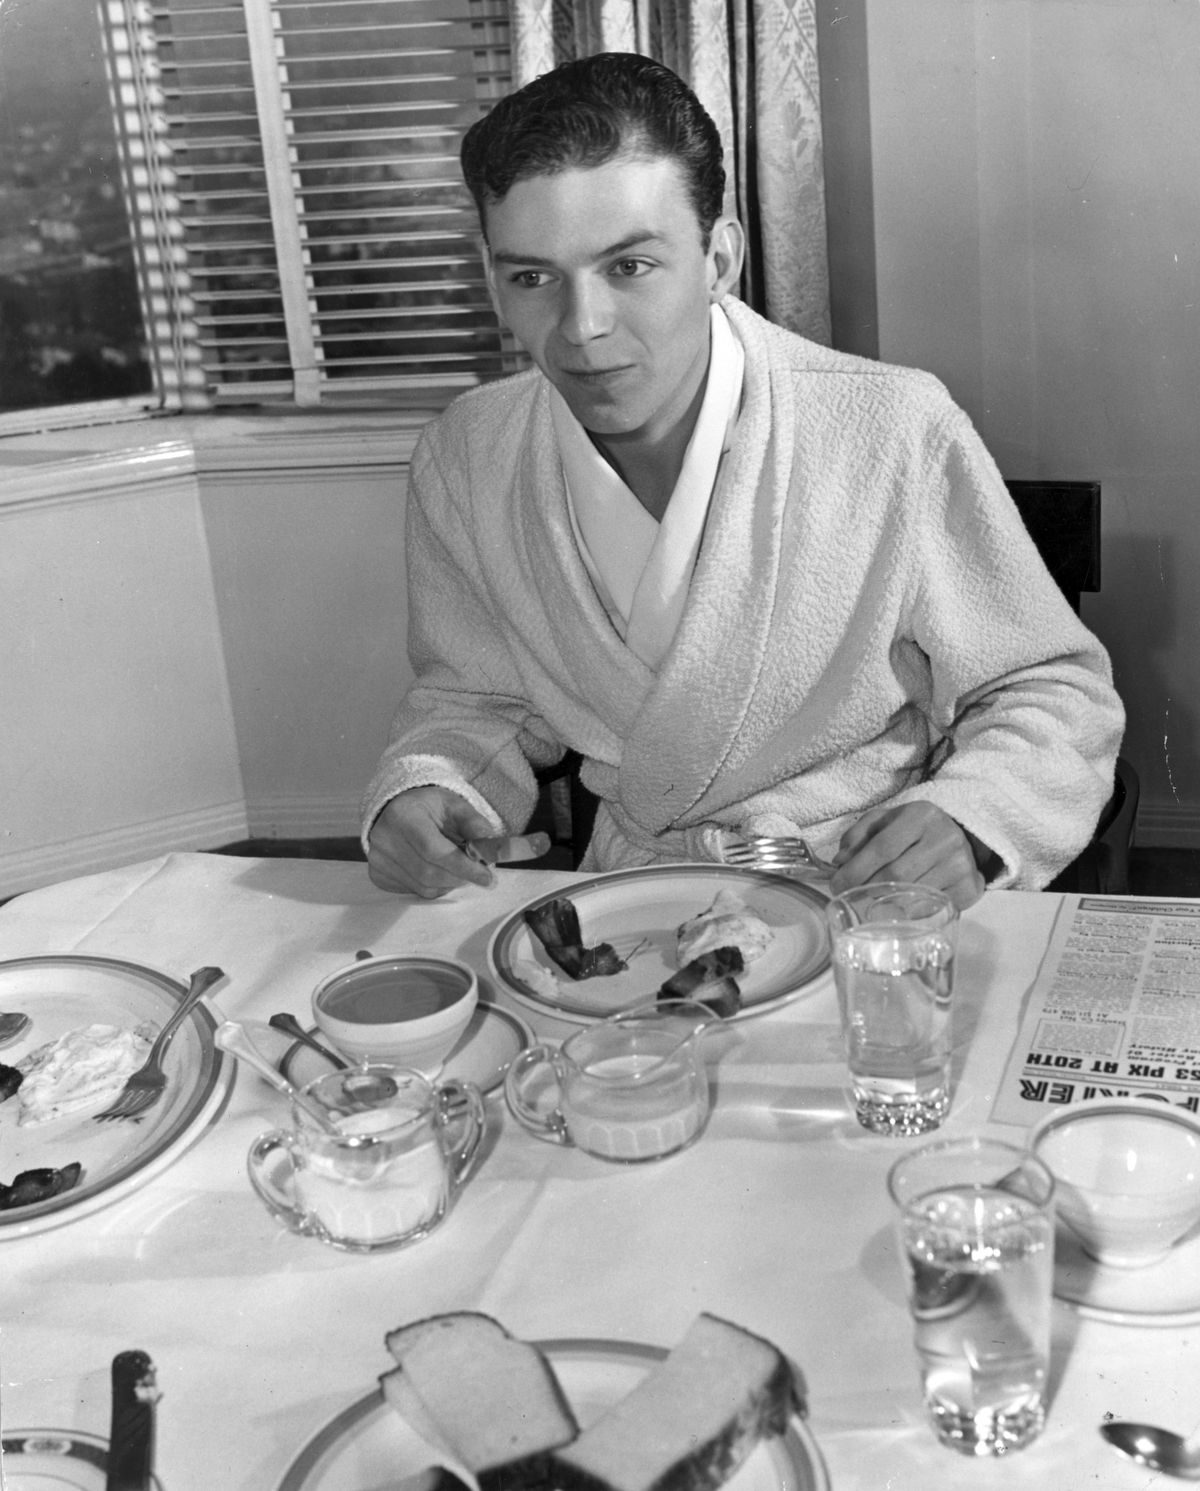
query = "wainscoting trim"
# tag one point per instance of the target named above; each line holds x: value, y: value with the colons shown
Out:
x: 201, y: 828
x: 298, y: 817
x: 82, y: 478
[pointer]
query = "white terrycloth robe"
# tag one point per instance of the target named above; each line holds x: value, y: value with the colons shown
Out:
x: 868, y: 622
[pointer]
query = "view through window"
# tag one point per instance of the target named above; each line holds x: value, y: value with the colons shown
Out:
x: 300, y: 231
x: 70, y: 317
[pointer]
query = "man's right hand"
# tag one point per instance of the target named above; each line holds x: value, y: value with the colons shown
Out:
x: 415, y: 844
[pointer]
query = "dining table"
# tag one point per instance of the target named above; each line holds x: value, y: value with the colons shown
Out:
x: 777, y: 1218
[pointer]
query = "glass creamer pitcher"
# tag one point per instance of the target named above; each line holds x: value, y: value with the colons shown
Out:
x: 630, y: 1088
x: 383, y: 1167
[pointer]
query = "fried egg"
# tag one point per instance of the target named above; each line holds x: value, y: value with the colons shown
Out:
x: 726, y: 923
x: 80, y: 1070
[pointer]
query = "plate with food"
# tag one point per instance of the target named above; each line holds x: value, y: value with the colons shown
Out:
x: 586, y: 1413
x: 92, y: 1022
x: 743, y: 941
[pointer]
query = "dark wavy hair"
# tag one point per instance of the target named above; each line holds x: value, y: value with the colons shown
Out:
x: 584, y: 113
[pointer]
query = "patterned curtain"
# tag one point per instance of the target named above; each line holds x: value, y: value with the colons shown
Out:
x: 753, y: 65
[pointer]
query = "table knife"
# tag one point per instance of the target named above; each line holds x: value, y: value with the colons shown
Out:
x: 131, y: 1432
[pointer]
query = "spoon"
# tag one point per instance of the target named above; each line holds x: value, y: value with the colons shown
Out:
x: 232, y: 1037
x: 1157, y: 1449
x: 291, y: 1026
x: 12, y: 1026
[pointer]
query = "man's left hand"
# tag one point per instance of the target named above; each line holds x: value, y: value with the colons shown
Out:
x: 916, y: 842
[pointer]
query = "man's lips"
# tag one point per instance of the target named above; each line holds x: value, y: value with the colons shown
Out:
x: 595, y: 375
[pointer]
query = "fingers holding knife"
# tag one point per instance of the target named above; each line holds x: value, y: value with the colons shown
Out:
x: 507, y: 849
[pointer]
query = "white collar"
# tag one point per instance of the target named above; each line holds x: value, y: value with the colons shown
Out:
x: 641, y: 568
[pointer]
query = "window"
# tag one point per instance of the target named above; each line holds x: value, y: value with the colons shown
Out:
x: 70, y: 318
x: 300, y: 230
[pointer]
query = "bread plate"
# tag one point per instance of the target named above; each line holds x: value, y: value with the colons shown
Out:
x: 638, y: 913
x: 56, y: 1460
x: 359, y: 1447
x: 64, y: 993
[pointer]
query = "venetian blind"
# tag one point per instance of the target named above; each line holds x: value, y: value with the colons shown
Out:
x: 293, y: 166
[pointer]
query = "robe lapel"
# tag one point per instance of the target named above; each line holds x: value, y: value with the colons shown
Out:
x: 687, y: 728
x: 564, y: 619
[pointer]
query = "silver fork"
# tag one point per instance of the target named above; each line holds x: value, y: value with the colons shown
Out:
x: 766, y: 852
x: 145, y: 1086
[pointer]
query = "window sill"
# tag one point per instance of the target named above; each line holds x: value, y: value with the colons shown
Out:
x: 71, y: 463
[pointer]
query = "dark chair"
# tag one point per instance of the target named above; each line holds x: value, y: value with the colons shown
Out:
x: 566, y: 808
x: 1063, y: 519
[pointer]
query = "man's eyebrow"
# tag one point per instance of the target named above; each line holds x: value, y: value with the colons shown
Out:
x: 622, y: 246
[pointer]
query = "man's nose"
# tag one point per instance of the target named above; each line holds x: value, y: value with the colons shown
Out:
x: 587, y: 312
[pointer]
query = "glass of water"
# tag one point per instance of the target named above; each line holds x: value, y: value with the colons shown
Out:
x: 976, y: 1232
x: 893, y: 964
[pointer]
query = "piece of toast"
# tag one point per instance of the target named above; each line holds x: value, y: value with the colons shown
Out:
x: 691, y: 1422
x: 493, y: 1402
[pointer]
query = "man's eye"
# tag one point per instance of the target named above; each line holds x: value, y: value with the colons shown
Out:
x: 527, y: 279
x: 630, y: 268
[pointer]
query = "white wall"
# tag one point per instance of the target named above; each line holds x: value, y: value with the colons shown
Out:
x: 1034, y: 182
x: 204, y: 634
x: 305, y: 524
x: 116, y: 724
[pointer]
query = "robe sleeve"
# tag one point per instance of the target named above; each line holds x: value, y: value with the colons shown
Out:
x: 465, y: 723
x: 1022, y: 690
x: 1023, y: 722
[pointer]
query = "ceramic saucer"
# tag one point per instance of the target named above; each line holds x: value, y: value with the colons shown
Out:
x: 491, y: 1040
x: 1165, y: 1293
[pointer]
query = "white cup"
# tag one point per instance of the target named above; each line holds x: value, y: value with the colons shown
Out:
x: 406, y: 1010
x: 1128, y: 1173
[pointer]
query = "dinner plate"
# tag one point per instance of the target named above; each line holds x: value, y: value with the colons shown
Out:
x: 61, y: 994
x: 492, y: 1038
x: 1165, y: 1293
x: 638, y: 912
x: 55, y: 1460
x: 358, y: 1450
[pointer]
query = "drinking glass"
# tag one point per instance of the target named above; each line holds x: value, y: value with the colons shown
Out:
x: 893, y: 965
x: 976, y: 1233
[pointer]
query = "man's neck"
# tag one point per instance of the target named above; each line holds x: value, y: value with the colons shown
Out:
x: 650, y: 468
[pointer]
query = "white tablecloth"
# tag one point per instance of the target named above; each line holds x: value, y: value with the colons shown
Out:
x: 777, y: 1218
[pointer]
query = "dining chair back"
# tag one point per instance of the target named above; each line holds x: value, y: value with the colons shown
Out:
x: 1063, y: 519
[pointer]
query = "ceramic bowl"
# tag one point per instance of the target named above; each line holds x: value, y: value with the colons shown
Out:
x: 1128, y: 1176
x: 408, y: 1011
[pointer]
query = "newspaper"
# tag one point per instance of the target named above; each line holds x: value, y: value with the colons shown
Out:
x: 1113, y: 1011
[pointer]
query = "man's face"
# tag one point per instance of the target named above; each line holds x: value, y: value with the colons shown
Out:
x: 601, y: 275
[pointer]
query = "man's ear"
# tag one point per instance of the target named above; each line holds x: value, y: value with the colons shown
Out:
x: 726, y: 250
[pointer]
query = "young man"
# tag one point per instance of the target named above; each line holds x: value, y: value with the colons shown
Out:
x: 761, y: 586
